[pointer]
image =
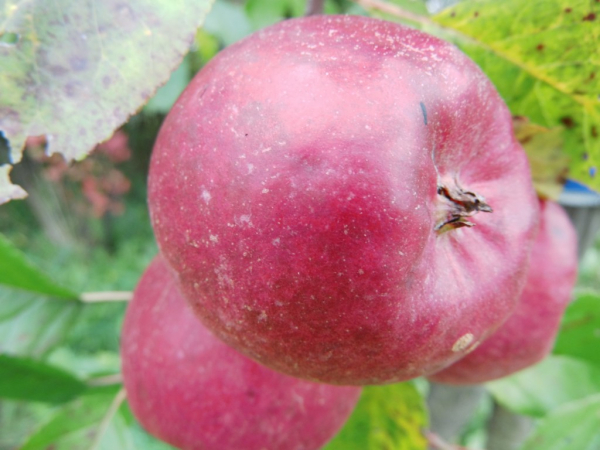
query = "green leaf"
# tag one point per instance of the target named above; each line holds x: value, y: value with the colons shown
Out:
x: 167, y: 95
x: 17, y: 272
x: 30, y: 380
x: 75, y: 425
x: 31, y: 325
x: 76, y: 70
x: 554, y: 382
x: 98, y: 419
x: 544, y: 58
x: 387, y: 417
x: 579, y: 334
x: 575, y: 425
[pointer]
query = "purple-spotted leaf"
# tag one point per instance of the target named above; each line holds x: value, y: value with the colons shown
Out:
x: 74, y: 71
x: 544, y: 58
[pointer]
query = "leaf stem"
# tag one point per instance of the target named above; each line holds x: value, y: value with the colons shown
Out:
x: 106, y: 380
x: 314, y: 7
x: 108, y: 296
x: 114, y: 406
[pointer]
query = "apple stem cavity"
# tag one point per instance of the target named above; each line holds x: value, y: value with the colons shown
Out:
x: 458, y: 205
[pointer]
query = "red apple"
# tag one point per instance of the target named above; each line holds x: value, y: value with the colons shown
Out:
x: 324, y: 190
x: 191, y: 390
x: 529, y: 334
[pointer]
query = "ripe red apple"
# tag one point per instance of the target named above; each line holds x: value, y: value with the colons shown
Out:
x: 191, y: 390
x: 529, y: 334
x: 324, y: 190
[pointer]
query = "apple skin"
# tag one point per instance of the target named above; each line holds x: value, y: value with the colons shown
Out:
x: 294, y: 189
x: 529, y: 334
x: 191, y: 390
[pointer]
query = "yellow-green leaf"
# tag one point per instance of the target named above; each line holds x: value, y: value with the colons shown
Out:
x: 386, y: 418
x: 544, y: 58
x: 544, y: 148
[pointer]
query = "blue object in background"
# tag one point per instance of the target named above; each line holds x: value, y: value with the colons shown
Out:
x: 583, y: 206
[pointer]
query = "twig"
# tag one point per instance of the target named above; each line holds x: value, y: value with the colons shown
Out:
x: 106, y: 381
x: 108, y: 296
x: 396, y: 11
x: 114, y: 406
x: 437, y: 443
x: 314, y: 7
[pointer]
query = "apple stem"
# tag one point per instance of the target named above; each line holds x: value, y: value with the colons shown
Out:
x: 457, y: 206
x: 314, y: 7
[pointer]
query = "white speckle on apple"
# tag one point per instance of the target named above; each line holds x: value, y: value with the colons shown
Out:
x: 463, y: 342
x: 206, y: 196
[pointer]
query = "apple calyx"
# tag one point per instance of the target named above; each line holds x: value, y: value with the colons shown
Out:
x: 458, y: 205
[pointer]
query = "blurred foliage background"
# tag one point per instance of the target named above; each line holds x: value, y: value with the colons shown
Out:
x: 86, y: 226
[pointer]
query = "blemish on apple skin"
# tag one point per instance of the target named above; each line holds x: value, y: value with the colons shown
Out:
x: 424, y: 111
x: 463, y: 342
x: 206, y: 196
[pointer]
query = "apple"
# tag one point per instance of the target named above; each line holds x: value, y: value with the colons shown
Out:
x: 529, y: 334
x: 343, y: 200
x: 194, y: 392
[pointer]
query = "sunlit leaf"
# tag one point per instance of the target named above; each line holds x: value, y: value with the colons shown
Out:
x: 555, y: 381
x: 386, y: 418
x: 544, y: 58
